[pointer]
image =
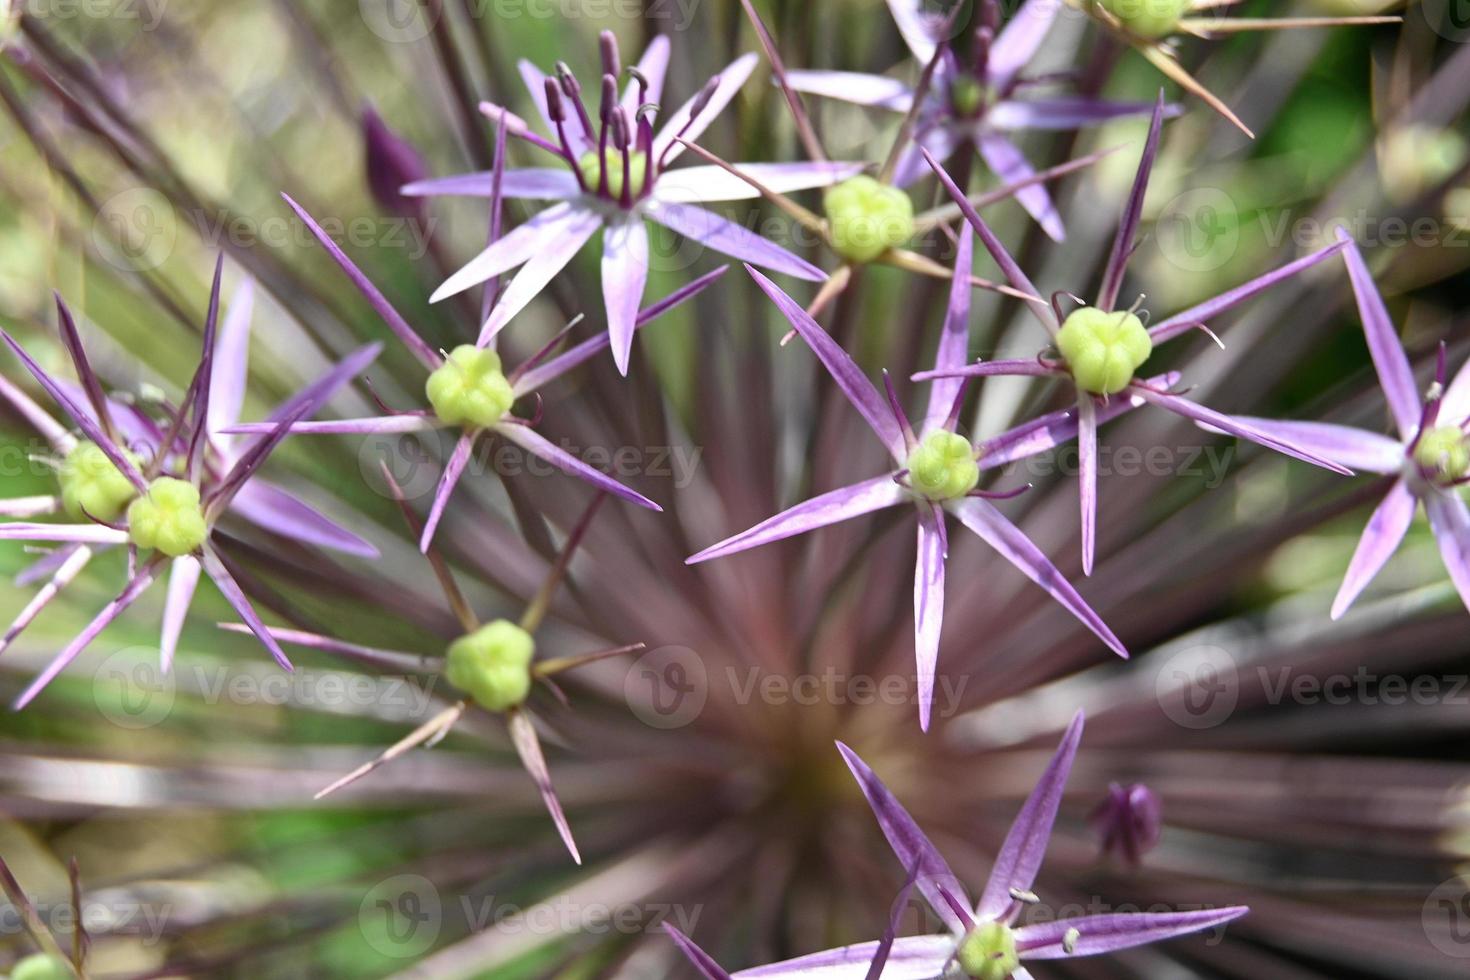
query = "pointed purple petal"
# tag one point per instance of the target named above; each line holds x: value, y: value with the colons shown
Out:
x: 1357, y: 449
x: 1110, y: 933
x: 702, y: 961
x: 989, y: 523
x: 135, y: 587
x: 939, y: 139
x: 40, y: 420
x: 1020, y: 856
x: 911, y: 958
x: 840, y: 365
x: 558, y: 244
x: 91, y: 385
x: 1450, y: 520
x: 1381, y: 538
x: 1065, y: 112
x: 821, y: 511
x: 532, y: 183
x: 395, y: 321
x: 918, y: 26
x: 377, y: 425
x: 537, y: 445
x: 232, y: 359
x: 681, y: 124
x: 1225, y: 423
x: 528, y: 747
x: 268, y: 506
x: 235, y: 596
x: 890, y: 931
x: 707, y: 184
x: 203, y: 382
x: 954, y: 341
x: 878, y: 91
x: 729, y: 238
x: 78, y: 533
x: 1087, y: 476
x: 1019, y: 41
x: 928, y: 605
x: 458, y: 460
x: 1211, y: 308
x: 183, y: 577
x: 1124, y: 240
x: 1005, y: 159
x: 74, y: 559
x: 1394, y: 372
x: 29, y: 506
x: 1028, y: 367
x: 624, y: 277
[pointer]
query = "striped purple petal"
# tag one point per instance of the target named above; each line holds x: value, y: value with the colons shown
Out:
x: 77, y: 533
x: 537, y: 445
x: 624, y: 277
x: 877, y: 91
x: 982, y: 517
x: 840, y: 365
x: 74, y: 558
x: 711, y: 183
x: 557, y: 244
x: 532, y: 183
x: 1225, y: 423
x: 1450, y: 520
x: 1010, y: 165
x: 1381, y: 538
x: 821, y: 511
x: 928, y: 605
x: 376, y: 425
x: 1028, y: 367
x: 183, y: 578
x: 684, y: 124
x: 453, y: 470
x: 1065, y: 113
x: 1087, y: 476
x: 911, y: 958
x: 912, y: 847
x: 1108, y: 933
x: 730, y: 238
x: 1123, y: 241
x: 235, y: 596
x: 1025, y: 845
x: 268, y: 506
x: 513, y: 249
x: 528, y: 747
x: 702, y: 961
x: 1019, y: 41
x: 1357, y: 449
x: 1389, y: 358
x: 232, y: 359
x: 954, y: 339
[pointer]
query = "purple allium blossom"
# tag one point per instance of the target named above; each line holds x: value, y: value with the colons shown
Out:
x: 1128, y: 822
x: 936, y: 471
x: 615, y: 175
x: 990, y: 940
x: 1430, y: 457
x: 166, y: 507
x: 974, y: 104
x: 469, y: 390
x: 1101, y: 347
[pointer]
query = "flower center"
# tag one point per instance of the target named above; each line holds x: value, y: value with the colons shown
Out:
x: 966, y: 95
x: 40, y: 966
x: 469, y: 388
x: 1103, y: 350
x: 168, y: 517
x: 988, y: 952
x: 91, y: 485
x: 1150, y: 19
x: 493, y: 665
x: 943, y: 467
x: 867, y: 218
x: 1443, y: 454
x: 591, y: 167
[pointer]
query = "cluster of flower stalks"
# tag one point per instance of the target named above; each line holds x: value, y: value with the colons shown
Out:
x: 787, y: 688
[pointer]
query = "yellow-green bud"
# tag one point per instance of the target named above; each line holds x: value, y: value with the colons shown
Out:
x: 966, y: 95
x: 493, y: 665
x: 92, y: 485
x: 470, y: 388
x: 1150, y: 19
x: 591, y: 166
x: 1104, y: 350
x: 1443, y: 454
x: 988, y: 952
x: 41, y: 966
x: 867, y: 218
x: 168, y: 517
x: 943, y: 466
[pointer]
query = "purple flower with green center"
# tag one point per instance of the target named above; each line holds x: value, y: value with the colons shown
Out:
x: 975, y: 103
x: 166, y: 508
x: 1430, y: 456
x: 936, y: 471
x: 615, y: 175
x: 1102, y: 347
x: 1128, y: 822
x: 990, y: 942
x: 468, y: 389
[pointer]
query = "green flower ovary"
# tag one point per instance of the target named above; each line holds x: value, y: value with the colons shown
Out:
x: 168, y: 517
x: 41, y: 966
x: 1443, y: 454
x: 966, y: 95
x: 1103, y: 350
x: 92, y: 486
x: 943, y: 466
x: 591, y: 167
x: 493, y: 665
x: 867, y: 218
x: 470, y: 388
x: 1151, y: 19
x: 988, y: 952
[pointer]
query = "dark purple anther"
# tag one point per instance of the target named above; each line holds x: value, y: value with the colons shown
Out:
x: 555, y: 110
x: 1128, y: 822
x: 611, y: 63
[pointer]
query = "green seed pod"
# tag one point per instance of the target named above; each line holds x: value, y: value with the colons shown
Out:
x: 943, y: 466
x: 1104, y: 350
x: 493, y: 665
x: 41, y: 966
x: 867, y: 218
x: 1443, y: 454
x: 168, y: 517
x: 470, y: 388
x: 91, y: 485
x: 591, y: 166
x: 988, y: 952
x: 1152, y: 19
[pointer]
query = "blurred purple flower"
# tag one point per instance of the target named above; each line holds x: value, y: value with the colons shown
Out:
x: 1128, y: 822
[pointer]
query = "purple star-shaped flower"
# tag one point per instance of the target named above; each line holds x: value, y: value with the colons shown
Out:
x: 974, y: 104
x: 1102, y: 347
x: 988, y: 943
x: 936, y: 472
x: 469, y: 391
x: 614, y: 175
x: 1431, y: 456
x: 168, y: 506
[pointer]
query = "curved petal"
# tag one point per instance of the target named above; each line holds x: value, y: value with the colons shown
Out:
x: 533, y: 183
x: 1381, y: 538
x: 1055, y: 428
x: 538, y: 445
x: 684, y: 124
x: 1108, y: 933
x: 624, y: 277
x: 701, y: 960
x: 453, y: 470
x: 728, y: 238
x: 821, y: 511
x: 878, y: 91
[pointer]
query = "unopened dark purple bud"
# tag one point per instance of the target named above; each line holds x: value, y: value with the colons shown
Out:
x: 609, y: 96
x: 555, y: 109
x: 391, y: 162
x: 1128, y: 822
x: 612, y: 64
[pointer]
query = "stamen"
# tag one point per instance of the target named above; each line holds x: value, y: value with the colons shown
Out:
x: 573, y: 90
x: 700, y: 103
x: 556, y: 111
x: 605, y: 112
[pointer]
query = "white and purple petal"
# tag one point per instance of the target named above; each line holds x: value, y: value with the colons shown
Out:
x: 1357, y: 449
x: 704, y: 184
x: 877, y: 91
x: 1389, y: 358
x: 1095, y: 934
x: 684, y: 124
x: 729, y: 238
x: 1381, y: 538
x: 911, y: 958
x: 928, y: 605
x: 820, y: 511
x: 538, y: 445
x: 624, y: 277
x: 183, y: 578
x: 1450, y: 520
x: 532, y: 183
x: 272, y: 508
x: 1019, y: 41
